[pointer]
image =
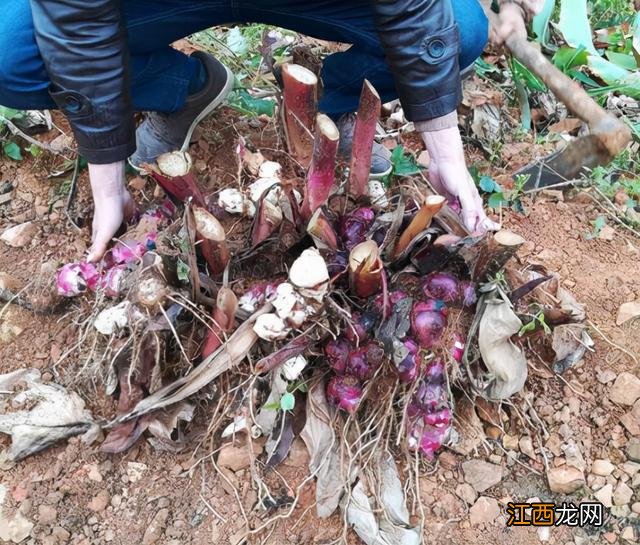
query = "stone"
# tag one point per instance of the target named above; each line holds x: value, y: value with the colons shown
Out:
x: 610, y: 537
x: 481, y: 475
x: 16, y: 529
x: 485, y: 511
x: 8, y: 282
x: 109, y: 535
x: 622, y: 494
x: 61, y: 534
x: 629, y: 533
x: 526, y: 447
x: 628, y: 311
x: 605, y: 376
x: 298, y: 454
x: 620, y: 511
x: 467, y: 493
x: 99, y: 502
x: 94, y: 474
x: 135, y: 471
x: 424, y: 159
x: 636, y: 508
x: 20, y: 235
x: 544, y: 533
x: 235, y: 457
x: 604, y: 495
x: 602, y: 468
x: 625, y: 390
x: 156, y: 527
x: 631, y: 420
x: 565, y: 479
x: 633, y: 452
x: 47, y: 515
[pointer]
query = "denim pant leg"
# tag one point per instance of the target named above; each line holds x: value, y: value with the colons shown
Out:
x: 343, y: 73
x: 160, y: 75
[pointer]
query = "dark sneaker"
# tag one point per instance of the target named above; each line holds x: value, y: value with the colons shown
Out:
x: 381, y: 164
x: 160, y: 133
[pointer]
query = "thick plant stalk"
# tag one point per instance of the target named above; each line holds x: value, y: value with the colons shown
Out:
x: 300, y: 99
x: 224, y: 315
x: 420, y: 222
x: 268, y: 219
x: 365, y: 269
x: 489, y: 255
x: 364, y: 131
x: 175, y: 175
x: 322, y: 232
x: 212, y: 240
x: 321, y: 175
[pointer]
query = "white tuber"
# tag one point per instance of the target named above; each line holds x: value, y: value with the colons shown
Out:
x: 270, y: 327
x: 174, y: 163
x: 111, y: 319
x: 270, y: 169
x: 292, y: 368
x: 310, y: 275
x: 233, y: 201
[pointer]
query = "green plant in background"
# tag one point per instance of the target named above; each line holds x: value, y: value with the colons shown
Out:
x: 403, y: 164
x: 598, y: 225
x: 9, y: 148
x: 498, y: 197
x: 538, y: 321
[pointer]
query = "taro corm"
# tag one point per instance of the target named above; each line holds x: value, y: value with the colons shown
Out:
x: 354, y: 227
x: 345, y: 391
x: 443, y: 286
x: 427, y: 325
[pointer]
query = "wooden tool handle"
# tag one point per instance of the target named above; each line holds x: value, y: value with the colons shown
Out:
x: 566, y: 90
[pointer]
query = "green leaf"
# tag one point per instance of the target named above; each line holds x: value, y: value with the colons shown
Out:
x: 403, y: 163
x: 496, y: 200
x: 12, y: 150
x: 598, y: 225
x: 9, y: 113
x: 242, y: 101
x: 287, y: 401
x: 635, y: 31
x: 527, y: 77
x: 489, y: 185
x: 34, y: 150
x: 628, y: 62
x: 183, y: 271
x: 236, y: 42
x: 624, y: 81
x: 569, y: 57
x: 540, y: 23
x: 574, y: 25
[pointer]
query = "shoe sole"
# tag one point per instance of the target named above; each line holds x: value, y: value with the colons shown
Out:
x: 220, y: 98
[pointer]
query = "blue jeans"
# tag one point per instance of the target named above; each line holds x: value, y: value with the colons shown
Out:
x: 161, y: 75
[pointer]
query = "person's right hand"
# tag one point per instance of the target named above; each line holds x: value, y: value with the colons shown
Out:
x: 112, y: 205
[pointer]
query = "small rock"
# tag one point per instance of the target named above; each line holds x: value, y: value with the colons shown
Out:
x: 481, y: 475
x: 16, y: 529
x: 604, y: 495
x: 156, y: 527
x: 135, y: 471
x: 467, y: 493
x: 137, y: 183
x: 602, y: 467
x: 631, y: 420
x: 61, y: 534
x: 94, y: 474
x: 526, y: 447
x: 636, y: 507
x: 625, y: 390
x: 99, y: 503
x: 633, y: 451
x: 620, y: 511
x: 607, y: 233
x: 109, y: 535
x: 20, y: 235
x: 544, y: 533
x: 236, y: 458
x: 565, y: 480
x: 423, y: 159
x: 47, y: 515
x: 7, y: 282
x: 605, y: 376
x: 486, y: 510
x: 116, y: 501
x: 629, y: 533
x: 298, y: 454
x: 628, y: 311
x: 622, y: 494
x: 610, y: 537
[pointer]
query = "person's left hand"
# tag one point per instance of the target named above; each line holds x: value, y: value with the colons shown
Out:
x: 450, y: 177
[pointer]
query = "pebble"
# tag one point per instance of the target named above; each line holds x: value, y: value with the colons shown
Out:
x: 629, y: 534
x: 94, y: 474
x: 109, y: 535
x: 625, y: 390
x: 298, y: 454
x: 485, y: 510
x: 156, y: 527
x: 565, y: 480
x: 622, y: 494
x: 467, y: 493
x: 605, y: 376
x: 631, y: 420
x: 20, y: 235
x: 236, y: 458
x: 116, y: 500
x: 47, y: 515
x: 61, y: 534
x: 16, y: 529
x: 510, y: 442
x: 636, y: 507
x: 604, y: 495
x: 526, y: 447
x: 99, y: 503
x: 633, y: 451
x: 481, y: 475
x: 610, y: 537
x: 602, y: 467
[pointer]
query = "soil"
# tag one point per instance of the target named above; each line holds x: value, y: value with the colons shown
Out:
x: 73, y: 493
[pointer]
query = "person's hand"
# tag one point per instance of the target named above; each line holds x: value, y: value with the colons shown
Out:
x: 112, y: 205
x: 449, y: 175
x: 511, y: 19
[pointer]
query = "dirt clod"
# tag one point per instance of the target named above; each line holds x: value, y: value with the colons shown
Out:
x: 99, y: 503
